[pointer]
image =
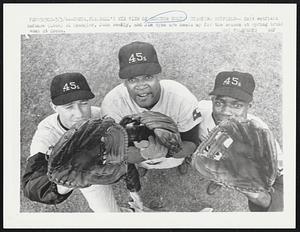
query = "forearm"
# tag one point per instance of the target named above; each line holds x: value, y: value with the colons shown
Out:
x: 190, y: 141
x: 36, y: 185
x: 275, y: 196
x: 132, y: 179
x: 134, y: 155
x: 261, y: 199
x: 188, y: 148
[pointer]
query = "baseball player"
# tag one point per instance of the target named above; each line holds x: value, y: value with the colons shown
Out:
x: 70, y: 95
x: 142, y: 90
x: 232, y: 96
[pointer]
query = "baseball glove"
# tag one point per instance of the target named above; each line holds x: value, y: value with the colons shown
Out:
x: 238, y: 154
x: 91, y: 152
x: 141, y: 126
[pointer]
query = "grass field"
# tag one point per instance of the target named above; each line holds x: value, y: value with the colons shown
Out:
x: 192, y: 59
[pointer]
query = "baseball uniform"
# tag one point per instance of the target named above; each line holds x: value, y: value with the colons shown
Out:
x: 175, y: 101
x: 208, y: 123
x: 99, y: 197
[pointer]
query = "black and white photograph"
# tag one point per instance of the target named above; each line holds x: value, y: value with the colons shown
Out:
x: 153, y: 121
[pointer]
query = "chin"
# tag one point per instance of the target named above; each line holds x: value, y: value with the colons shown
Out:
x: 144, y: 104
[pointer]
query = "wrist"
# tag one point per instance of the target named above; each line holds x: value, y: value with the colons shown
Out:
x: 262, y: 199
x: 141, y: 146
x: 144, y: 154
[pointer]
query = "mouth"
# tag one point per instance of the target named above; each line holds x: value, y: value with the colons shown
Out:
x: 143, y: 96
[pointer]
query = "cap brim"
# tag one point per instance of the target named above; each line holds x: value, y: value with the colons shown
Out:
x: 139, y: 70
x: 73, y: 96
x: 232, y: 92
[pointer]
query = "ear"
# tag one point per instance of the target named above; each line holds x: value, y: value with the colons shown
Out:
x: 250, y: 105
x: 53, y: 106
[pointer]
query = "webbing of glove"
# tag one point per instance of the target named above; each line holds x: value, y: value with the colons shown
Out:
x: 164, y: 127
x: 136, y: 132
x: 91, y: 152
x: 238, y: 154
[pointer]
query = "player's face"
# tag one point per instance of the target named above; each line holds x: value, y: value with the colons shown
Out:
x: 73, y: 112
x: 226, y: 107
x: 144, y: 90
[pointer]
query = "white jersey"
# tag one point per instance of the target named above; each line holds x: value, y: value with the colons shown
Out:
x: 99, y: 197
x: 175, y: 101
x: 49, y: 131
x: 208, y: 123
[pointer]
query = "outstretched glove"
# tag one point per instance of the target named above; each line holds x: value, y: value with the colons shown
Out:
x: 141, y: 126
x: 239, y: 154
x: 91, y: 152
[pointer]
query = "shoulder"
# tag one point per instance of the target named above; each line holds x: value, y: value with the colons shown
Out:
x: 176, y: 90
x: 47, y: 134
x: 172, y: 86
x: 119, y: 90
x: 260, y: 122
x: 48, y: 122
x: 205, y: 105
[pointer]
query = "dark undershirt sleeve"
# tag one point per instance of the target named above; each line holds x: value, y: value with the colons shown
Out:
x: 192, y: 135
x: 36, y: 185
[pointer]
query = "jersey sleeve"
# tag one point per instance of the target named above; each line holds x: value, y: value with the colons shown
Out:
x: 41, y: 140
x: 110, y: 107
x: 189, y: 114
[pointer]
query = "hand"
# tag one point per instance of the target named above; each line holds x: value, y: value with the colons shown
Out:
x: 154, y: 149
x: 63, y: 190
x: 260, y: 198
x: 134, y: 155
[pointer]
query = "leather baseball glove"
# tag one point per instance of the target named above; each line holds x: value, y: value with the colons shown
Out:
x: 162, y: 127
x: 91, y: 152
x: 239, y: 154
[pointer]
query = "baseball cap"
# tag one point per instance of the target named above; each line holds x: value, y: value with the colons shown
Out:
x: 69, y: 87
x: 234, y: 84
x: 136, y: 59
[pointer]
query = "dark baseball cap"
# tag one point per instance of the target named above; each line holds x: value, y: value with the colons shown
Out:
x: 69, y: 87
x: 137, y: 59
x: 234, y: 84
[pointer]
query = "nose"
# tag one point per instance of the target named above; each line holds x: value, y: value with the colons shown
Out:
x: 77, y: 111
x: 226, y: 110
x: 141, y: 85
x: 141, y: 81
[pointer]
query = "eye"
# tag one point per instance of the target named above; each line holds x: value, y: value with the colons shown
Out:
x: 148, y: 77
x: 218, y: 103
x: 237, y: 105
x: 84, y: 102
x: 68, y: 106
x: 132, y: 80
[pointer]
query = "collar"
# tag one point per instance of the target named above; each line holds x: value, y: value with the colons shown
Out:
x: 60, y: 123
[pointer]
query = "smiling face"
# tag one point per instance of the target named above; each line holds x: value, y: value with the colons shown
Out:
x: 226, y: 107
x: 144, y: 90
x: 71, y: 113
